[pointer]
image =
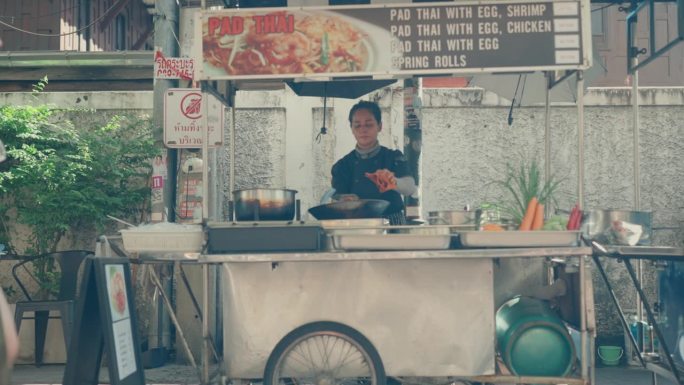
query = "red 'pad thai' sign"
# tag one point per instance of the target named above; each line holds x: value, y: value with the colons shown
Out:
x: 263, y: 24
x: 407, y: 39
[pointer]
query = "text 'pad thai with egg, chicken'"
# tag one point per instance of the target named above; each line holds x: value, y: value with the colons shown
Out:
x: 283, y: 43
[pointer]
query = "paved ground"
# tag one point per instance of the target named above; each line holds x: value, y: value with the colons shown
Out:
x: 186, y: 375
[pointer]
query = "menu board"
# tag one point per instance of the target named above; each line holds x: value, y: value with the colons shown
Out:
x: 401, y: 40
x: 117, y: 297
x: 105, y: 320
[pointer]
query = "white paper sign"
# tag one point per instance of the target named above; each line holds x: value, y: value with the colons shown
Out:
x: 123, y: 335
x: 173, y: 67
x: 123, y: 344
x: 183, y: 119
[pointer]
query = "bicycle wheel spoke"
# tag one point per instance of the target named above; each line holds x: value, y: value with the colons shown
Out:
x: 324, y: 358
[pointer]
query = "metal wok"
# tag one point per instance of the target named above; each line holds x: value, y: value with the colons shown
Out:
x: 361, y: 208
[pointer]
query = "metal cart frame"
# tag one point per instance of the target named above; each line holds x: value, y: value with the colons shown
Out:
x: 586, y: 372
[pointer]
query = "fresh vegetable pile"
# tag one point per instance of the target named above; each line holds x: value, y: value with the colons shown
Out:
x: 529, y: 195
x: 556, y: 223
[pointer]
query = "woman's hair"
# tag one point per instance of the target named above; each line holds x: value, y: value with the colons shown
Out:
x: 364, y: 105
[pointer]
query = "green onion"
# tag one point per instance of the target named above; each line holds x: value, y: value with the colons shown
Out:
x: 524, y: 182
x: 325, y: 49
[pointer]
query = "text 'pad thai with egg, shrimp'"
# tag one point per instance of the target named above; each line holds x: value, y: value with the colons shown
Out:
x: 283, y: 43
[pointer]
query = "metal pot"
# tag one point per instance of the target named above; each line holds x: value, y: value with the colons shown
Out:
x: 453, y: 217
x: 596, y: 225
x: 264, y: 204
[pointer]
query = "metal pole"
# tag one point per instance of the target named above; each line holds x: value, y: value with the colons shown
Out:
x: 205, y: 267
x: 547, y: 128
x: 205, y: 151
x: 169, y: 306
x: 583, y: 319
x: 635, y: 111
x: 621, y: 314
x: 231, y: 183
x: 580, y: 138
x: 637, y: 179
x: 547, y: 154
x: 651, y: 319
x: 413, y: 139
x: 165, y: 28
x: 205, y: 324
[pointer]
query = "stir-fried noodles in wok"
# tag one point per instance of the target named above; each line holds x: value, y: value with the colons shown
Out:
x: 318, y: 44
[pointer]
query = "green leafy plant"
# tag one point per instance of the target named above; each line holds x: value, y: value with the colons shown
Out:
x: 58, y: 180
x: 523, y: 181
x: 39, y: 87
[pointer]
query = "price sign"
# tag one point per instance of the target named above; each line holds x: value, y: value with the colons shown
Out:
x: 105, y: 319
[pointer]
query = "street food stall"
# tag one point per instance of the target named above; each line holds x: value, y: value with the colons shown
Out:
x: 306, y: 301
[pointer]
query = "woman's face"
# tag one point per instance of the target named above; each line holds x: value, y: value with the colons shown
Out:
x: 365, y: 129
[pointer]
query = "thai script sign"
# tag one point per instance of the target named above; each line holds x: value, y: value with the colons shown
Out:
x: 183, y: 119
x: 173, y: 67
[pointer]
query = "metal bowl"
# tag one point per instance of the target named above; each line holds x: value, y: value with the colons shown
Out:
x: 264, y: 204
x: 453, y: 217
x: 596, y: 225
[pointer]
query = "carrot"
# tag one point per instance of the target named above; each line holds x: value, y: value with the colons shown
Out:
x: 538, y: 220
x: 526, y: 223
x: 492, y: 227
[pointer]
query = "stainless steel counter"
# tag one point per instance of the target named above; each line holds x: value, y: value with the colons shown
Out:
x: 396, y: 255
x: 646, y: 252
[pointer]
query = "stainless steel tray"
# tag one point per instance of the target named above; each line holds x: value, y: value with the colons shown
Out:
x: 391, y: 242
x: 518, y: 238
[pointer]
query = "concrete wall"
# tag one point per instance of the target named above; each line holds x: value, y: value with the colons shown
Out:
x: 466, y: 142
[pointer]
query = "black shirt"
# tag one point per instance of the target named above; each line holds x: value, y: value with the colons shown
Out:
x: 348, y: 175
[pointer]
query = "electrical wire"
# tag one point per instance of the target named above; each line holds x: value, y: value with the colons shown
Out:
x: 510, y: 110
x: 604, y: 7
x: 176, y: 37
x: 59, y: 34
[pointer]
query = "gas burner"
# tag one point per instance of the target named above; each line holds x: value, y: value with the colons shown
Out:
x: 264, y: 236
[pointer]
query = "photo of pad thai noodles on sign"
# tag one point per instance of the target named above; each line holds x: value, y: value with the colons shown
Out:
x: 289, y: 44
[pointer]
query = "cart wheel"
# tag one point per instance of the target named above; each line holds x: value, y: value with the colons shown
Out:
x: 324, y: 353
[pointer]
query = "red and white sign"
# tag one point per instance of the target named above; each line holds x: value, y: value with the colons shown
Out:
x: 183, y: 121
x: 173, y: 67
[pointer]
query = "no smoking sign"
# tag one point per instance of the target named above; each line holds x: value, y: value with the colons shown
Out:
x: 183, y: 119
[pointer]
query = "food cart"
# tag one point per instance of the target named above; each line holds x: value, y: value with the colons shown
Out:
x: 412, y: 308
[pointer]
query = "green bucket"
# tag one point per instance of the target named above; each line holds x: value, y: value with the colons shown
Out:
x: 610, y: 355
x: 532, y: 339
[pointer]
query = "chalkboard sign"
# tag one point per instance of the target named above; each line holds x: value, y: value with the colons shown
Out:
x: 105, y: 319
